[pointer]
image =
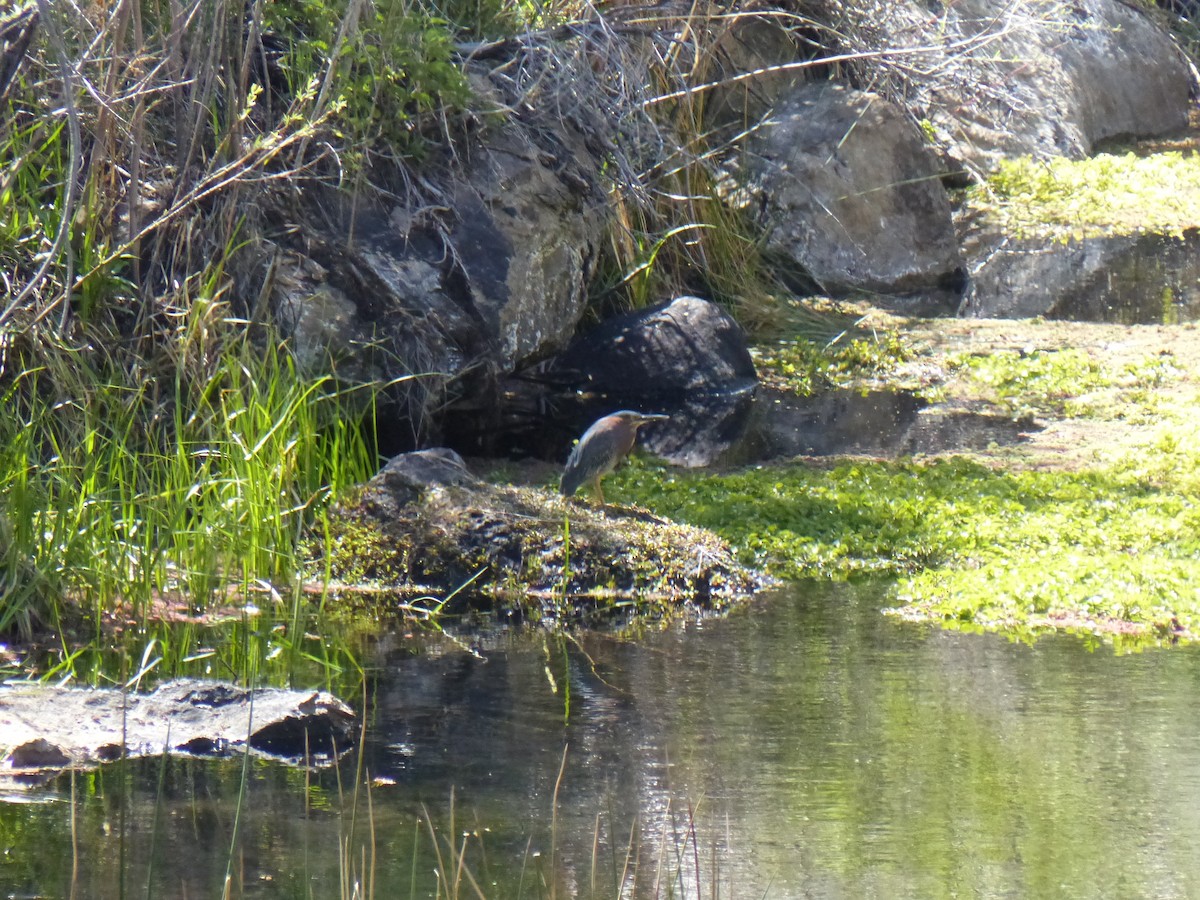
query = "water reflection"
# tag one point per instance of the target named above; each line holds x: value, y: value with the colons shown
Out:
x: 1139, y: 279
x: 824, y: 749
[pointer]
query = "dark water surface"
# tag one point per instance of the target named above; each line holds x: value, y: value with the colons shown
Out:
x: 822, y: 749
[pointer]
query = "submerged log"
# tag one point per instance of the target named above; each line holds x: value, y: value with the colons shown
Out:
x: 44, y: 728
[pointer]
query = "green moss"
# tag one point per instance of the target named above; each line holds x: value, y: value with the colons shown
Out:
x: 1039, y: 381
x: 968, y: 543
x: 803, y: 366
x: 1105, y: 194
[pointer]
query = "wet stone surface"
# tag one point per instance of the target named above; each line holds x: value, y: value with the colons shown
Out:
x: 1120, y: 279
x: 877, y: 423
x: 45, y: 728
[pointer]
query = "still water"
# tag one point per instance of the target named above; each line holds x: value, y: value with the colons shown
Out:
x: 805, y: 746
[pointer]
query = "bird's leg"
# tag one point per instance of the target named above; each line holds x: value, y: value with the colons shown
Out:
x: 599, y: 490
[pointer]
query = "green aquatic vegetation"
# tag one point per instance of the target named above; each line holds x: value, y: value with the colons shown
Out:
x: 1037, y: 381
x: 804, y: 366
x: 1104, y: 194
x: 967, y: 542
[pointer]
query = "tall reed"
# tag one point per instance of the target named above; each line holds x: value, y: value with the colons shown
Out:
x: 121, y: 487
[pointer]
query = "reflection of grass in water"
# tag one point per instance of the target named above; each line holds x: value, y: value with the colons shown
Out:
x: 289, y: 645
x: 971, y: 543
x: 347, y: 842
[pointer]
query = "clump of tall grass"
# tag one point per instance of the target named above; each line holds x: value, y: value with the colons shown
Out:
x: 124, y: 479
x: 157, y: 437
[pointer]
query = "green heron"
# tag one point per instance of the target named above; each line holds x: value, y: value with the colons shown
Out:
x: 602, y: 447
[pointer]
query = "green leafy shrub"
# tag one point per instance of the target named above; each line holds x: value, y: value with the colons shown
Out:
x: 391, y: 67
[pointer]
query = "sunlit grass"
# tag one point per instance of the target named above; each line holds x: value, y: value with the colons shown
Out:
x: 120, y: 491
x: 967, y: 542
x: 850, y: 355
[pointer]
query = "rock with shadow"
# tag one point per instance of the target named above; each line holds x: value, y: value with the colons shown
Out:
x: 661, y: 354
x: 687, y: 358
x: 1128, y: 279
x: 44, y: 728
x: 875, y: 423
x: 435, y: 288
x: 850, y: 195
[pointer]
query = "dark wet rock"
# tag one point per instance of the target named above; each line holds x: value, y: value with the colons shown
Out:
x: 509, y: 547
x: 666, y: 352
x: 702, y: 429
x: 686, y: 358
x: 850, y: 194
x: 46, y: 727
x: 1010, y: 79
x: 876, y: 423
x: 1138, y: 279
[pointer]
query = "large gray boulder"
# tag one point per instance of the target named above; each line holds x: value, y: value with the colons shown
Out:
x: 999, y: 78
x: 437, y: 299
x: 850, y: 192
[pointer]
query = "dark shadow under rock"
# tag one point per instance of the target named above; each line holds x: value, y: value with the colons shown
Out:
x: 524, y: 549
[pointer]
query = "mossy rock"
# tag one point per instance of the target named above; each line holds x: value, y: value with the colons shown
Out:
x: 444, y: 533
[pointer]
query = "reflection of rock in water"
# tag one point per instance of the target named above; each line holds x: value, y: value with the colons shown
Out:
x: 1124, y: 279
x: 881, y: 423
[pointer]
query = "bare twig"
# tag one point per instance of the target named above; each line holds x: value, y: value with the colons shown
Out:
x: 16, y: 31
x: 70, y: 189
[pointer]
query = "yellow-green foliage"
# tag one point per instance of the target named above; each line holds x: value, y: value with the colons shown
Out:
x: 391, y: 72
x: 117, y: 486
x: 970, y: 543
x: 975, y: 545
x: 1038, y: 381
x: 1105, y: 194
x: 803, y: 366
